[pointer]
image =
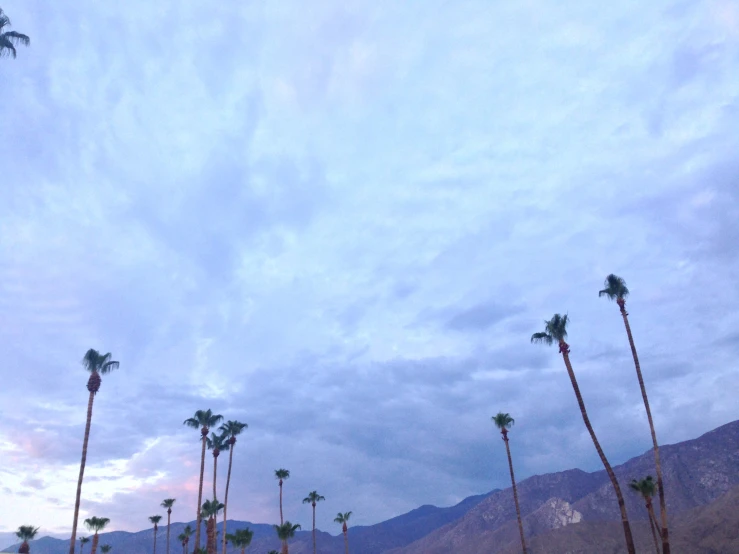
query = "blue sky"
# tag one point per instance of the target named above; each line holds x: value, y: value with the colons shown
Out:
x: 341, y: 225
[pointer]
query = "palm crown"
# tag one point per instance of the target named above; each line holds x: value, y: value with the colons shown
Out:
x: 211, y: 508
x: 95, y: 362
x: 615, y: 288
x: 646, y: 487
x: 106, y: 548
x: 555, y: 330
x: 217, y: 443
x: 168, y: 503
x: 26, y: 532
x: 312, y: 498
x: 286, y: 530
x: 282, y: 474
x: 503, y: 421
x: 8, y: 39
x: 241, y: 538
x: 203, y: 419
x: 342, y: 518
x: 231, y: 429
x: 155, y: 520
x: 96, y: 524
x: 84, y: 540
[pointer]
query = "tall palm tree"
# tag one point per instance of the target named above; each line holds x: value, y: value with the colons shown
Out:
x: 203, y: 420
x: 83, y: 542
x: 216, y: 443
x: 241, y: 538
x: 106, y: 548
x: 230, y: 429
x: 555, y: 331
x: 155, y: 520
x: 285, y: 532
x: 8, y: 39
x: 168, y: 503
x: 210, y: 512
x: 504, y: 422
x: 616, y: 289
x: 647, y: 488
x: 96, y: 524
x: 313, y: 498
x: 281, y: 475
x: 26, y: 533
x: 342, y: 519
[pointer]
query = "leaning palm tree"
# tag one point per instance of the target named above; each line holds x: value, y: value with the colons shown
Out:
x: 313, y: 498
x: 97, y: 364
x: 241, y: 538
x: 285, y: 532
x: 504, y: 422
x: 616, y: 289
x: 106, y: 548
x: 555, y: 331
x: 210, y: 513
x: 342, y: 519
x: 230, y: 429
x: 96, y: 524
x: 203, y: 420
x: 281, y: 475
x: 155, y: 520
x: 647, y: 488
x: 8, y: 39
x: 26, y: 533
x: 168, y: 503
x: 83, y: 542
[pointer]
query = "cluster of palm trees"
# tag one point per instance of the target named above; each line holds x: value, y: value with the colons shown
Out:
x: 555, y: 332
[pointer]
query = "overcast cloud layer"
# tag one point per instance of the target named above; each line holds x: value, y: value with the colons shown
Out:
x: 341, y: 225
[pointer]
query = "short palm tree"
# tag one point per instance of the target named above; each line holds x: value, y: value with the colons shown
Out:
x: 83, y: 542
x: 343, y: 519
x: 26, y: 533
x: 616, y: 289
x: 647, y: 489
x: 96, y: 524
x: 285, y: 532
x: 203, y: 420
x: 9, y: 39
x: 230, y: 429
x: 97, y: 364
x: 504, y: 422
x: 168, y: 503
x: 210, y: 513
x: 106, y: 548
x: 555, y: 331
x: 155, y: 520
x: 281, y: 475
x: 241, y: 538
x: 313, y: 498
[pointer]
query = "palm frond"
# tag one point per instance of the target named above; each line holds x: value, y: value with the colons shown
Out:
x: 232, y: 428
x: 17, y: 38
x: 503, y: 421
x: 615, y: 287
x: 155, y: 519
x: 282, y: 474
x: 168, y: 503
x: 4, y: 20
x: 545, y: 338
x: 26, y: 532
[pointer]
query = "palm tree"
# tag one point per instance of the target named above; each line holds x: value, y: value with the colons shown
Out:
x: 204, y: 420
x: 168, y: 503
x: 97, y: 364
x: 504, y: 422
x: 312, y: 498
x: 555, y: 330
x: 241, y: 538
x: 83, y: 542
x: 285, y: 532
x: 230, y: 429
x: 96, y: 524
x: 281, y: 475
x: 155, y: 520
x: 106, y: 548
x: 210, y: 511
x: 184, y: 537
x: 26, y: 533
x: 218, y: 444
x: 8, y: 39
x: 342, y: 519
x: 647, y: 488
x: 616, y: 289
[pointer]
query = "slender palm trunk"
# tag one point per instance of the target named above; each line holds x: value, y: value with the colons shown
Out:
x: 204, y: 434
x: 228, y: 482
x: 314, y: 528
x: 346, y: 540
x: 155, y: 539
x: 169, y: 517
x: 658, y: 465
x: 215, y: 471
x: 652, y: 523
x: 82, y: 471
x: 95, y: 543
x: 504, y: 432
x: 565, y: 351
x: 281, y: 521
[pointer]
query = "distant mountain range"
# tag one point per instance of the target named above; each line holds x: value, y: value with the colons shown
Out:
x: 570, y: 511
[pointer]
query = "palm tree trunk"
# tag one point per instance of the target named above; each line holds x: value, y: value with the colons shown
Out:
x: 346, y: 543
x: 155, y: 539
x: 82, y: 472
x: 169, y: 516
x: 211, y: 535
x: 95, y: 543
x: 314, y: 528
x: 515, y: 491
x: 653, y: 524
x: 200, y: 489
x: 215, y: 471
x: 284, y: 547
x: 225, y: 500
x: 565, y: 350
x: 655, y: 446
x: 281, y: 521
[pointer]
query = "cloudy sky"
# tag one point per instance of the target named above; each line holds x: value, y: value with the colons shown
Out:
x: 341, y: 225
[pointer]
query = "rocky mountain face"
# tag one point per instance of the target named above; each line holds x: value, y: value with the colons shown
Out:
x: 570, y: 512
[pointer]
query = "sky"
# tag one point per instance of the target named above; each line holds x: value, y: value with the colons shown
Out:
x: 341, y: 225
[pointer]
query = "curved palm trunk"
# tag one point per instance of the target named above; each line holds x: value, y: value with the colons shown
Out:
x: 504, y: 432
x: 82, y: 469
x: 658, y: 465
x: 204, y: 433
x: 225, y: 500
x: 281, y: 521
x: 652, y: 523
x: 169, y: 517
x: 314, y: 528
x: 565, y: 351
x: 346, y: 540
x: 95, y: 539
x: 155, y: 539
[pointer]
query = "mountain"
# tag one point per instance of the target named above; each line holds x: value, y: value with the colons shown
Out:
x: 696, y: 473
